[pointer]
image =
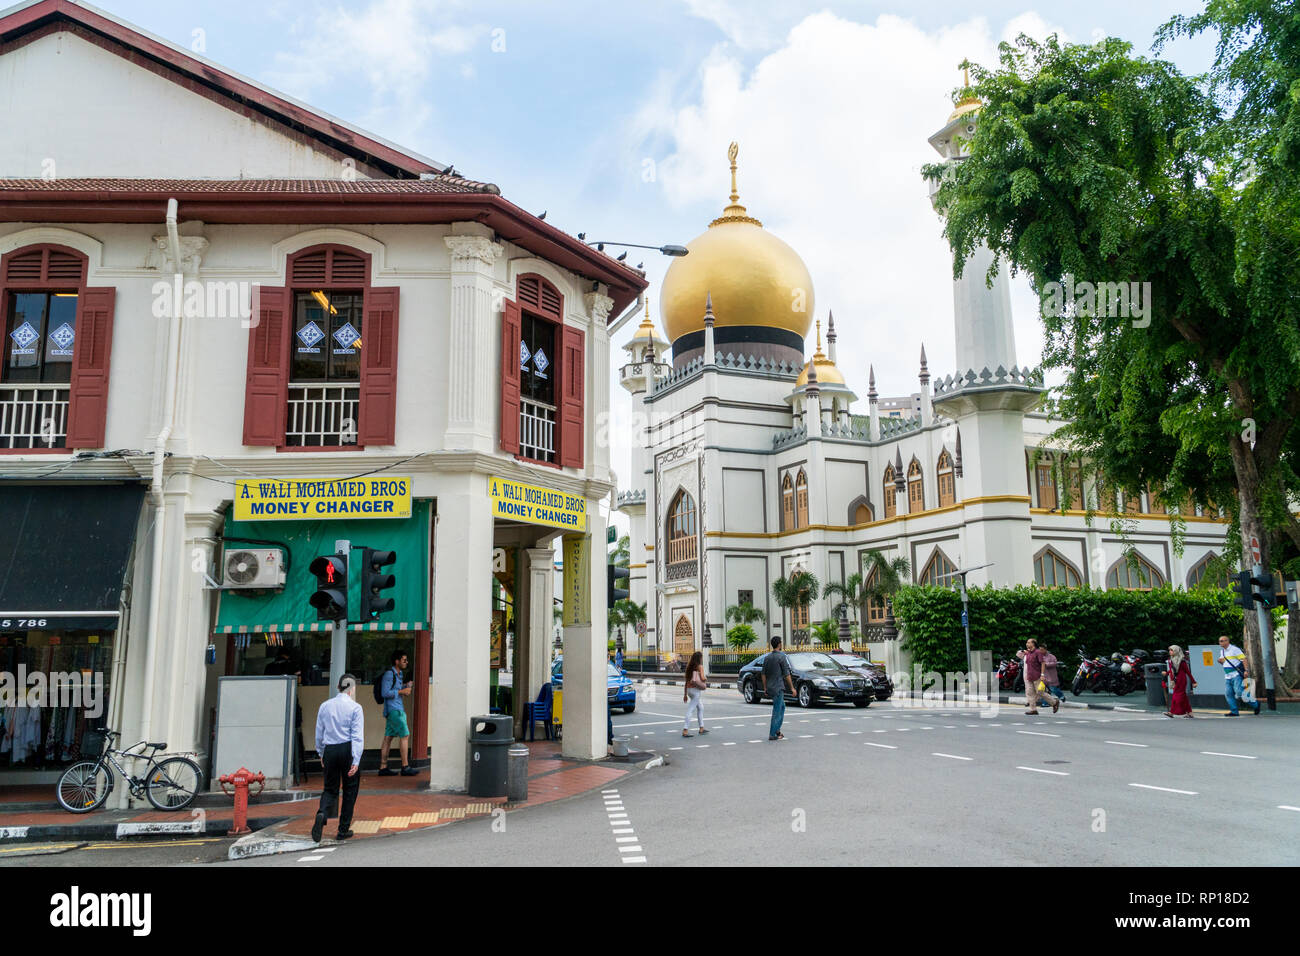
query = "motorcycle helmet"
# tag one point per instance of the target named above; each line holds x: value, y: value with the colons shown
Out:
x: 1117, y: 657
x: 1126, y: 668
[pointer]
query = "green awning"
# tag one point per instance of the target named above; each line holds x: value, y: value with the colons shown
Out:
x: 287, y: 610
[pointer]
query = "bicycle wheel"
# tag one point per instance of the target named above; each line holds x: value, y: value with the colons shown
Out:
x: 84, y: 786
x: 174, y: 783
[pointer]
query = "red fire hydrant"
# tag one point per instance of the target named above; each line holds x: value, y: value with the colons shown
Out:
x: 240, y: 780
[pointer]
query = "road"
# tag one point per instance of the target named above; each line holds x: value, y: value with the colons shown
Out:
x: 888, y: 785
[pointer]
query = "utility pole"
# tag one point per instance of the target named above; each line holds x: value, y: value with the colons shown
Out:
x: 965, y: 609
x: 339, y: 631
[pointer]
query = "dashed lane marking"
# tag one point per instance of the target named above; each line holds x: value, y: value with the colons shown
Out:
x: 1283, y: 806
x: 870, y: 743
x: 1124, y: 743
x: 1036, y: 733
x: 951, y: 756
x: 1147, y: 786
x: 1212, y: 753
x: 1054, y: 773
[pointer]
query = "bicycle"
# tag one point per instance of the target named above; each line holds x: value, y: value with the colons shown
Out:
x: 168, y: 784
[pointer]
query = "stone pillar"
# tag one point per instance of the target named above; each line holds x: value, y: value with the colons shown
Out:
x: 872, y: 400
x: 598, y: 307
x: 585, y: 655
x: 541, y: 599
x: 462, y: 603
x: 474, y: 345
x: 187, y: 623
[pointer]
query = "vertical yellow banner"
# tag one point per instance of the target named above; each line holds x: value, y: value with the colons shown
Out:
x: 577, y: 579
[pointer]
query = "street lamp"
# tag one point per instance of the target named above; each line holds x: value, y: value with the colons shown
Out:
x: 965, y: 609
x: 668, y: 250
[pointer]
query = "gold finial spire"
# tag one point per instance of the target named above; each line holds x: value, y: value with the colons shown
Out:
x: 819, y: 335
x: 735, y: 212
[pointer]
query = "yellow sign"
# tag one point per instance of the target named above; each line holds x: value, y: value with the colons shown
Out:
x: 519, y: 502
x: 577, y: 579
x: 273, y: 499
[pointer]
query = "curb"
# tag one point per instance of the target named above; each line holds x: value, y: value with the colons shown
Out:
x: 40, y: 833
x: 677, y: 683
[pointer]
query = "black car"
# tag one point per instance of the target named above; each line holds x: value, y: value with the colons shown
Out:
x: 872, y: 671
x: 816, y: 678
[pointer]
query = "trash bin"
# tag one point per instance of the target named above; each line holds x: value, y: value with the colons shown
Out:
x: 1155, y: 674
x: 517, y: 773
x: 490, y: 737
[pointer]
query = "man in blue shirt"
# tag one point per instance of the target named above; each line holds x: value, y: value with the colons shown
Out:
x: 392, y: 691
x: 776, y: 677
x: 340, y: 735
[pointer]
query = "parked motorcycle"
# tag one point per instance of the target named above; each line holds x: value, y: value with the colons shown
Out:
x: 1011, y: 676
x: 1091, y: 674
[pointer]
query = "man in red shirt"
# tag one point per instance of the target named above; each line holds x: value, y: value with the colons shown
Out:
x: 1032, y: 659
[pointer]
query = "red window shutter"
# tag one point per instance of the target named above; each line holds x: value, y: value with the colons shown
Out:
x: 88, y: 396
x: 511, y: 334
x: 378, y: 425
x: 266, y: 387
x: 571, y: 404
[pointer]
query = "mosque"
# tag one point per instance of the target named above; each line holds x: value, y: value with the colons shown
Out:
x: 757, y: 461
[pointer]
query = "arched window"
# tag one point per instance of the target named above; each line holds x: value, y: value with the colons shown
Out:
x: 1202, y: 567
x: 875, y: 606
x: 938, y: 571
x: 947, y: 484
x: 891, y: 508
x: 1133, y: 502
x: 1155, y: 503
x: 1077, y: 502
x: 1046, y: 471
x: 1144, y: 577
x: 915, y: 488
x: 681, y: 535
x: 787, y: 503
x: 801, y: 500
x: 1053, y: 571
x: 862, y: 514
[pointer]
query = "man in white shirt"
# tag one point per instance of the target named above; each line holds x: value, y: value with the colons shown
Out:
x: 1233, y: 660
x: 340, y: 732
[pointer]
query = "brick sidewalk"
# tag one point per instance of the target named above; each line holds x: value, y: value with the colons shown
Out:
x: 385, y: 804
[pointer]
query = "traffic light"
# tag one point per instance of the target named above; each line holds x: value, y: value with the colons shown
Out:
x: 1263, y: 590
x: 331, y: 597
x: 374, y: 580
x: 613, y: 592
x: 1243, y: 595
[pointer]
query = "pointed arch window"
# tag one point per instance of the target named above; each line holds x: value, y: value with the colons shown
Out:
x: 1143, y: 577
x: 682, y: 536
x: 1077, y: 501
x: 947, y: 483
x: 915, y: 488
x: 787, y: 503
x: 1201, y: 568
x: 1051, y: 570
x: 938, y: 571
x: 862, y: 514
x: 876, y: 611
x: 801, y: 500
x: 891, y: 507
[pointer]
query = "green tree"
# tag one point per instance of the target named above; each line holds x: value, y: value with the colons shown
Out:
x: 827, y: 631
x: 741, y: 636
x: 849, y: 594
x: 798, y: 590
x: 1090, y: 163
x: 889, y: 575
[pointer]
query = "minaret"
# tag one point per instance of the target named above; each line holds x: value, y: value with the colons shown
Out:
x: 830, y: 338
x: 873, y: 402
x: 984, y: 333
x: 812, y: 408
x: 987, y: 397
x: 927, y: 409
x: 900, y: 484
x: 709, y: 355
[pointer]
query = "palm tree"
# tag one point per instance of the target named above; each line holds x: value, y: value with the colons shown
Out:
x: 799, y: 590
x: 849, y: 593
x: 745, y: 613
x: 886, y: 576
x: 621, y: 553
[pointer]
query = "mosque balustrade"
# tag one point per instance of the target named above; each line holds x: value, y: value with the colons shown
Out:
x: 792, y: 437
x: 893, y: 427
x: 1030, y: 378
x: 633, y: 497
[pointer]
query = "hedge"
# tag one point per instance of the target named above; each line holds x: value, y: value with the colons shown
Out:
x: 1103, y: 621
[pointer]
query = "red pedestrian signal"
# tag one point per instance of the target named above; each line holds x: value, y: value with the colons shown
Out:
x: 331, y: 597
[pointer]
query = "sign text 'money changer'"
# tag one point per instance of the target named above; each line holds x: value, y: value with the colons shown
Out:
x: 537, y: 505
x: 387, y: 497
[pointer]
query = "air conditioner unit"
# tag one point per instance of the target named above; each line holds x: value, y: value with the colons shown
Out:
x: 244, y: 569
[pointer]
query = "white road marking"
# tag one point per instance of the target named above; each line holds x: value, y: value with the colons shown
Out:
x: 754, y: 741
x: 1036, y: 733
x: 951, y: 756
x: 633, y: 859
x: 625, y: 839
x: 609, y: 791
x: 678, y: 722
x: 729, y: 743
x: 701, y: 746
x: 626, y: 830
x: 949, y: 726
x: 1124, y: 743
x: 868, y: 743
x: 1283, y: 806
x: 309, y: 859
x: 1055, y: 773
x: 1147, y: 786
x: 830, y: 735
x: 326, y: 849
x: 852, y: 732
x: 804, y: 736
x: 674, y: 748
x: 1212, y: 753
x: 880, y: 731
x: 631, y: 849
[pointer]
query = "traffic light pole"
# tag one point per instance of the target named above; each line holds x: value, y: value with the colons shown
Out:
x: 1266, y: 641
x: 339, y: 633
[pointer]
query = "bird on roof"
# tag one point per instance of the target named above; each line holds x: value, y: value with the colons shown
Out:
x: 543, y: 215
x: 623, y: 256
x: 582, y: 235
x: 640, y: 265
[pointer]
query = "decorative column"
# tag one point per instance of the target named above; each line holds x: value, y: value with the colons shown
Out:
x: 872, y: 401
x: 598, y: 424
x: 475, y: 337
x: 541, y: 600
x: 192, y: 249
x: 927, y: 408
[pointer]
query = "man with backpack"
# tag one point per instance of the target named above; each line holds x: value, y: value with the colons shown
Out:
x: 389, y: 691
x: 1235, y: 675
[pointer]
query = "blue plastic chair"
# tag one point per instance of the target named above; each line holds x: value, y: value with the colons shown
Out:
x: 541, y: 709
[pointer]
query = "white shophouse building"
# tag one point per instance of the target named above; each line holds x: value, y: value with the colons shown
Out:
x: 347, y: 310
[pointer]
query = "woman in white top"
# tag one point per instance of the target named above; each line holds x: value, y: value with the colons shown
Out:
x: 694, y: 693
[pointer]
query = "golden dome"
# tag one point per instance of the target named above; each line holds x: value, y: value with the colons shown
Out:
x: 827, y: 372
x: 969, y: 103
x: 646, y: 330
x: 755, y: 278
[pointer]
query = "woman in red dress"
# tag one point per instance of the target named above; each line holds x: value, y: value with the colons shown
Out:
x: 1178, y: 678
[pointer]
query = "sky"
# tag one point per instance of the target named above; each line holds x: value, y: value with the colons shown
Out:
x: 614, y: 117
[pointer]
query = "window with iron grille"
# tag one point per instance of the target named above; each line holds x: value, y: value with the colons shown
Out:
x: 325, y: 379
